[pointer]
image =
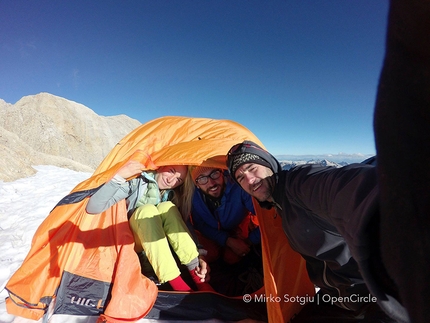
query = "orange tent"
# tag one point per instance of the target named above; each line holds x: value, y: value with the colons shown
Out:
x: 81, y: 264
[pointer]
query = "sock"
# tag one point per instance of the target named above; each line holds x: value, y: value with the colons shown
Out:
x: 178, y: 284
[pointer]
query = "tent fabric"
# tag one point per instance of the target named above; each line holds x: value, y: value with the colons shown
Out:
x: 86, y: 265
x: 285, y: 277
x: 200, y: 306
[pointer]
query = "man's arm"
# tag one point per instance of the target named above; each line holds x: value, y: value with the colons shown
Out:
x: 346, y: 197
x: 402, y: 136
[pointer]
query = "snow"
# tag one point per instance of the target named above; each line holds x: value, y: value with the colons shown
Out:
x: 24, y: 204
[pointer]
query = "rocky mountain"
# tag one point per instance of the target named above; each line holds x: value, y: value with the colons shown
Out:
x: 44, y: 129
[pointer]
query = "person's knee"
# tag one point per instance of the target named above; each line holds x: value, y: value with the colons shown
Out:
x: 169, y: 211
x: 144, y: 211
x: 142, y: 214
x: 165, y: 207
x: 230, y: 257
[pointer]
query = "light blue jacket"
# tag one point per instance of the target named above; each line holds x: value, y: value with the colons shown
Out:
x: 137, y: 191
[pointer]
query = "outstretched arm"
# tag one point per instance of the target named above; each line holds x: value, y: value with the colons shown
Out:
x: 402, y: 136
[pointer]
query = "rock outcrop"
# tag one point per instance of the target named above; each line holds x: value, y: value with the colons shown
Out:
x: 47, y: 129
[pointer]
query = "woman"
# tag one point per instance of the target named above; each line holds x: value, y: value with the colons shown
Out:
x: 155, y: 219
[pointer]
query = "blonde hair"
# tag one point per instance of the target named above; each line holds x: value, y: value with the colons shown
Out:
x: 183, y: 196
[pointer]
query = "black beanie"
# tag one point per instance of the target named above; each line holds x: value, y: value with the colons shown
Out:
x: 249, y: 152
x: 244, y: 158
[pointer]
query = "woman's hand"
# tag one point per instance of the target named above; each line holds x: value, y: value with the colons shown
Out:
x: 130, y: 169
x: 203, y: 270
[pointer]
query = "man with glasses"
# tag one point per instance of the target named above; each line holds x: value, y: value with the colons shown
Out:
x: 223, y: 215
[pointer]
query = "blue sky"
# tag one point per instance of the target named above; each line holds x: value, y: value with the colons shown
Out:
x: 302, y: 75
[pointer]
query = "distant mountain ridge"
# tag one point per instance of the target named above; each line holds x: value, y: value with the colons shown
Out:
x: 45, y: 129
x: 324, y: 162
x: 288, y: 164
x: 335, y: 158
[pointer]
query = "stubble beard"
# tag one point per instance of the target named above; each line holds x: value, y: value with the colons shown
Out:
x: 266, y: 190
x: 218, y: 193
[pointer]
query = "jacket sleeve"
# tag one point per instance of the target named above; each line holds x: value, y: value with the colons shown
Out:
x: 254, y: 235
x: 110, y: 193
x: 247, y: 201
x: 346, y: 197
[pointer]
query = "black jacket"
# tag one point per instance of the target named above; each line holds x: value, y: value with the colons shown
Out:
x: 331, y: 216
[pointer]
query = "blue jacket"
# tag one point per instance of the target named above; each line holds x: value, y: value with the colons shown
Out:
x: 235, y: 205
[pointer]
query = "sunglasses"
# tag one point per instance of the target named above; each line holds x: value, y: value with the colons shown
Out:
x: 202, y: 180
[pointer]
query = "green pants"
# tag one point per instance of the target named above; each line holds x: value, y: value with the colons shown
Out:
x: 154, y: 227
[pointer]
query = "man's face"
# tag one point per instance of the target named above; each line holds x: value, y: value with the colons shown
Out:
x: 215, y: 182
x: 256, y: 180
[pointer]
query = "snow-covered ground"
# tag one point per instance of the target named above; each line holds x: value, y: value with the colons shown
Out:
x: 24, y: 204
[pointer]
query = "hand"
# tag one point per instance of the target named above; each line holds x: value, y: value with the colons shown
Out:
x: 203, y: 270
x: 239, y: 246
x: 130, y: 169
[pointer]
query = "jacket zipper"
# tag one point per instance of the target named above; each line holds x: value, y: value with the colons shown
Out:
x: 334, y: 287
